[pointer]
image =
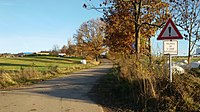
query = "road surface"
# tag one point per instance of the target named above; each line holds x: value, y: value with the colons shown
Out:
x: 64, y: 94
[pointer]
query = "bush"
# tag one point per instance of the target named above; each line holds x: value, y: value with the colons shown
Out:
x: 29, y: 73
x: 53, y: 69
x: 146, y: 84
x: 6, y: 80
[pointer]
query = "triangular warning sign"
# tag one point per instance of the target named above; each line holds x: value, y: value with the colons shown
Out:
x: 169, y: 32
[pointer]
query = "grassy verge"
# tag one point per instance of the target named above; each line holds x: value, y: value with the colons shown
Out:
x: 139, y: 87
x: 180, y: 59
x: 120, y: 96
x: 28, y: 70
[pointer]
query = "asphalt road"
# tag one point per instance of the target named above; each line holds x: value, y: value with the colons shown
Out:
x: 64, y: 94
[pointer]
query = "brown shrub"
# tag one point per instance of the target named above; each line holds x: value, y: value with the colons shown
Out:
x: 149, y: 83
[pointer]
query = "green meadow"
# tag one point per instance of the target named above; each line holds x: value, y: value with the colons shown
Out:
x: 30, y: 69
x: 39, y: 62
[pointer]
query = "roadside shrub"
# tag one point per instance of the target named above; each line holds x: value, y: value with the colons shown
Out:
x: 6, y: 80
x: 89, y: 57
x: 195, y: 72
x: 143, y: 72
x: 189, y: 88
x: 146, y: 85
x: 30, y: 73
x: 53, y: 69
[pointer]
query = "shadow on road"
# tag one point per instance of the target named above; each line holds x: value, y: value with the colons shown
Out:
x: 73, y: 87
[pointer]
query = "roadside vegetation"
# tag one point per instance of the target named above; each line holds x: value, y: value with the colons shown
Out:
x: 139, y: 81
x: 140, y: 86
x: 17, y: 71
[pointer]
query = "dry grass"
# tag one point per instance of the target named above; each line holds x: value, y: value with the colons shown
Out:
x: 143, y: 72
x: 23, y: 76
x: 34, y: 69
x: 143, y: 86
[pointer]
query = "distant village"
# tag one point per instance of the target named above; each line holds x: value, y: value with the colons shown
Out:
x: 22, y: 54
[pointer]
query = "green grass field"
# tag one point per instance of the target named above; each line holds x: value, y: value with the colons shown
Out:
x: 181, y: 58
x: 23, y: 70
x: 39, y: 62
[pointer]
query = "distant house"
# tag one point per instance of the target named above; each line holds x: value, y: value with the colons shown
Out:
x: 24, y: 54
x: 28, y: 53
x: 44, y: 52
x: 61, y: 54
x: 20, y: 54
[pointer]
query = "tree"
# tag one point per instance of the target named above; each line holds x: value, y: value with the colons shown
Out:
x: 132, y: 20
x: 89, y: 38
x: 55, y: 50
x: 71, y: 48
x: 186, y: 14
x: 64, y: 49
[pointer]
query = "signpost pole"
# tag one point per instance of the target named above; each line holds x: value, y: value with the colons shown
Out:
x: 170, y: 68
x: 170, y: 32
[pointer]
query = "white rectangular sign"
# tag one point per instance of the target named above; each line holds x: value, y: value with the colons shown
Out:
x: 170, y: 47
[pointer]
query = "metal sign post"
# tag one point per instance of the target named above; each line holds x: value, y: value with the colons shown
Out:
x: 170, y: 68
x: 170, y: 34
x: 170, y: 47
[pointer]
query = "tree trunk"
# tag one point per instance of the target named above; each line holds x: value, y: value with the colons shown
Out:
x: 137, y: 28
x: 189, y: 58
x: 96, y: 57
x: 137, y: 39
x: 189, y: 49
x: 150, y: 57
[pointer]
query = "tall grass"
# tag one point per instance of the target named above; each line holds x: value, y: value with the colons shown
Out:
x: 23, y: 76
x: 142, y: 71
x: 30, y: 75
x: 146, y: 84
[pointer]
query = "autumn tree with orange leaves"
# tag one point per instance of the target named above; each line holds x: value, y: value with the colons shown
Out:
x: 89, y: 39
x: 131, y: 21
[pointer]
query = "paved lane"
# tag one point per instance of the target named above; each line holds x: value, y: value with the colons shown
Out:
x: 64, y: 94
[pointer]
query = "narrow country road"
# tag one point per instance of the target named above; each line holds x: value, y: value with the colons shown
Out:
x: 64, y: 94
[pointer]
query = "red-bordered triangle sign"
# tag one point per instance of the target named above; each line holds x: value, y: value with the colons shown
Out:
x: 169, y: 32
